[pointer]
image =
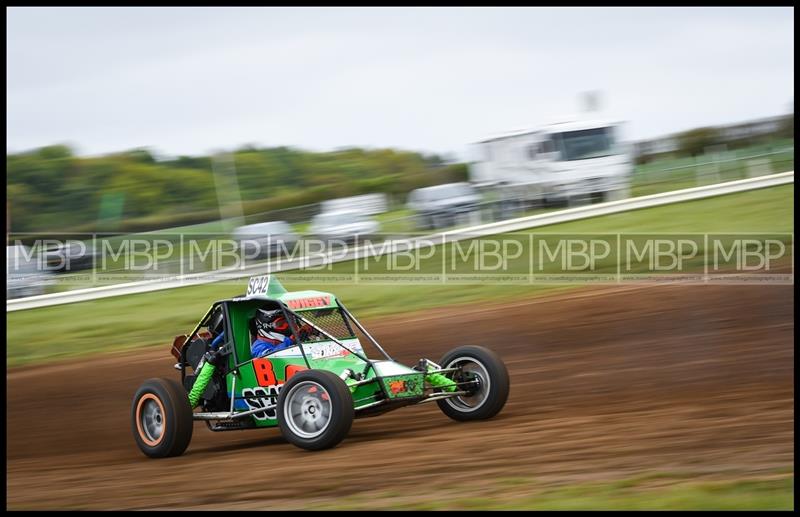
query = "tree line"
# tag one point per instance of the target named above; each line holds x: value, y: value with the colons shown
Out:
x: 51, y: 189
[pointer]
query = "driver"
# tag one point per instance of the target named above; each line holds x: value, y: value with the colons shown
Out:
x: 272, y: 332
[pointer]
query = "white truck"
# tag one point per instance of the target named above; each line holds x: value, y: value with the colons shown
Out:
x: 556, y: 163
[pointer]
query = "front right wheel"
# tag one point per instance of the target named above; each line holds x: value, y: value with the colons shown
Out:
x: 483, y: 375
x: 315, y: 410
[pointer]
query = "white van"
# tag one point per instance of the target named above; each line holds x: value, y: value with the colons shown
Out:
x: 265, y: 239
x: 345, y: 225
x: 557, y: 162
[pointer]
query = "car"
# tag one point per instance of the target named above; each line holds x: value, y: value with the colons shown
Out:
x: 441, y: 206
x: 265, y: 239
x: 312, y: 390
x: 367, y: 204
x: 70, y: 256
x: 26, y: 273
x: 344, y: 225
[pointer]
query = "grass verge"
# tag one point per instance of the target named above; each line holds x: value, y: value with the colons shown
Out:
x: 647, y: 492
x: 133, y: 321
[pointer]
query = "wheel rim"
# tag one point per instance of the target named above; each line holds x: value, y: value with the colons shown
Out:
x: 150, y: 419
x: 308, y: 409
x: 473, y: 369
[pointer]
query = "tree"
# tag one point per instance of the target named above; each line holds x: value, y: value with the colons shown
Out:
x: 695, y: 141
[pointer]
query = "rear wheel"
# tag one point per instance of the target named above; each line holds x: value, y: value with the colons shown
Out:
x: 161, y: 418
x: 315, y: 410
x: 483, y: 375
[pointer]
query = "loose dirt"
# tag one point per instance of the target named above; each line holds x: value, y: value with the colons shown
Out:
x: 605, y: 384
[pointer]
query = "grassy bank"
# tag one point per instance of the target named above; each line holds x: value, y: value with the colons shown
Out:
x: 134, y: 321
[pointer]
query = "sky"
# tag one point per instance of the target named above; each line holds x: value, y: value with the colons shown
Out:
x: 434, y: 80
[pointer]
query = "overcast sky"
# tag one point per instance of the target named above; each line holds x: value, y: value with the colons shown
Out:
x: 190, y: 81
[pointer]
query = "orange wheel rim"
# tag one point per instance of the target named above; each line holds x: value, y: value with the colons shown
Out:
x: 151, y: 419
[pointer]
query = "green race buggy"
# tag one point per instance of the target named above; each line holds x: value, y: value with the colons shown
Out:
x: 313, y: 389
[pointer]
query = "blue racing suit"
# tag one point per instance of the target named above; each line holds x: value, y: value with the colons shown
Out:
x: 261, y: 347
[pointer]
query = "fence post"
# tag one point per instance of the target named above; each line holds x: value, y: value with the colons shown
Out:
x: 227, y: 188
x: 758, y: 167
x: 710, y: 167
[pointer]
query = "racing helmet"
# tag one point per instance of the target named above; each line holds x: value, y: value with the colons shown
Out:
x: 271, y: 324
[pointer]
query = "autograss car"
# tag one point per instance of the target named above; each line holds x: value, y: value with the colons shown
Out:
x: 312, y: 390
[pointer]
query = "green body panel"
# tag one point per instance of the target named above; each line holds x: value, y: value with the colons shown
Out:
x: 271, y: 289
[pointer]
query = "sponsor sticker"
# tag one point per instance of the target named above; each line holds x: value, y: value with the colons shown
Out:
x: 308, y: 303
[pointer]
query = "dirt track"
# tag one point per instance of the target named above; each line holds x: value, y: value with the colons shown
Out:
x: 606, y: 384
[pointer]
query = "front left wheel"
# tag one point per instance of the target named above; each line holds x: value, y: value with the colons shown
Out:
x: 161, y: 418
x: 483, y: 375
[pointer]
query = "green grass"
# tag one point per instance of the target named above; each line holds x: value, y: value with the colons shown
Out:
x: 649, y: 492
x: 133, y: 321
x: 400, y: 220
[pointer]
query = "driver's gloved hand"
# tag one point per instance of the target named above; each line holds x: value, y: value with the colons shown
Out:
x: 305, y: 332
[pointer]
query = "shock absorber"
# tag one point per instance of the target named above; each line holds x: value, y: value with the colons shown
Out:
x: 203, y: 378
x: 438, y: 380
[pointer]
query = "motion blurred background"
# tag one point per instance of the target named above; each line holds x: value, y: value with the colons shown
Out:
x: 270, y: 127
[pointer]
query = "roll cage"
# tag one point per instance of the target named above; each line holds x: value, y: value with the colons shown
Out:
x: 229, y: 343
